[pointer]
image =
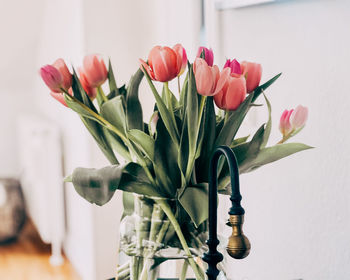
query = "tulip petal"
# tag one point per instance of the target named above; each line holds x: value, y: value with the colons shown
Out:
x: 147, y: 68
x: 235, y: 93
x: 298, y: 117
x: 61, y: 66
x: 224, y: 76
x: 52, y: 78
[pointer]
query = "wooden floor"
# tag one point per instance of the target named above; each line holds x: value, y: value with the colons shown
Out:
x: 28, y: 258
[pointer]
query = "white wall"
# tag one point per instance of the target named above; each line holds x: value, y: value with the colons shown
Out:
x: 298, y: 208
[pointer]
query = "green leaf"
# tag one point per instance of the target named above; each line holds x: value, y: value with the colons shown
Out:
x: 202, y: 164
x: 143, y: 141
x: 264, y: 86
x: 194, y: 200
x: 239, y: 141
x: 165, y: 164
x: 271, y: 154
x: 169, y: 122
x: 268, y: 124
x: 113, y: 111
x: 233, y: 123
x: 98, y: 185
x: 133, y: 105
x: 111, y: 80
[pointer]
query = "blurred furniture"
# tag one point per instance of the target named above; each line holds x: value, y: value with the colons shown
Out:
x: 12, y: 210
x: 42, y: 180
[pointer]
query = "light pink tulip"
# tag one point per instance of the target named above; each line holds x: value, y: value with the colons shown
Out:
x: 164, y: 63
x: 181, y: 57
x: 252, y: 72
x: 285, y: 127
x: 209, y: 80
x: 298, y: 117
x: 90, y: 91
x: 232, y: 94
x: 95, y: 70
x: 57, y: 76
x: 208, y: 55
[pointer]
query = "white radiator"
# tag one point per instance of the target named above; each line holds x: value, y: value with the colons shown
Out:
x: 40, y: 152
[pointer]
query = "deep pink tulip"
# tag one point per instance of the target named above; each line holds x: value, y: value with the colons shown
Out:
x: 252, y: 72
x: 285, y: 127
x: 95, y: 70
x: 164, y: 63
x: 208, y: 55
x: 232, y: 94
x: 57, y: 76
x: 209, y: 80
x: 90, y: 91
x: 298, y: 117
x: 234, y: 65
x: 60, y: 98
x: 181, y: 57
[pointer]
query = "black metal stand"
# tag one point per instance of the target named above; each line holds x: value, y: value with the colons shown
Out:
x: 213, y: 257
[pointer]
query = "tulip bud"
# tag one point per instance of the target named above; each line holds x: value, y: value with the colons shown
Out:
x: 209, y: 80
x: 252, y: 72
x: 52, y: 78
x: 164, y: 63
x: 232, y: 94
x: 234, y: 65
x: 90, y: 91
x: 181, y: 57
x: 95, y: 70
x: 208, y: 55
x: 298, y: 117
x: 57, y: 76
x: 285, y: 126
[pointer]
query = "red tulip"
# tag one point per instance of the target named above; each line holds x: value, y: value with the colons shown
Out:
x: 164, y: 63
x: 209, y: 80
x: 57, y: 76
x: 90, y: 91
x: 95, y: 70
x: 208, y: 55
x: 60, y: 98
x: 252, y: 72
x: 181, y: 56
x: 285, y: 127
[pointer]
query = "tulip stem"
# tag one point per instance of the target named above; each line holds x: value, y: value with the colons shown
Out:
x: 178, y: 85
x: 167, y: 210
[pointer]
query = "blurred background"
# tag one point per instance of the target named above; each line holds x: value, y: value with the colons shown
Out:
x: 297, y: 209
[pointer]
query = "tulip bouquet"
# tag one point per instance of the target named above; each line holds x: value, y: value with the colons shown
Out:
x: 164, y: 171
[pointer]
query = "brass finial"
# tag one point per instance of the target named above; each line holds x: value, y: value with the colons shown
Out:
x: 238, y: 246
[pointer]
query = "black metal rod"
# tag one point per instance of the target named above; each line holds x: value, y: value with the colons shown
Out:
x: 213, y: 257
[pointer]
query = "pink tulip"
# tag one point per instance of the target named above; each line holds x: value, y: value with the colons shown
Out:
x: 95, y: 70
x: 90, y: 91
x: 252, y: 72
x: 181, y: 56
x: 208, y: 55
x: 61, y: 66
x: 232, y: 94
x: 285, y: 127
x: 57, y: 76
x: 298, y: 117
x: 60, y: 98
x: 164, y: 63
x: 209, y: 80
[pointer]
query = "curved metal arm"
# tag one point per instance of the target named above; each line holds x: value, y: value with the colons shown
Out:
x: 213, y: 257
